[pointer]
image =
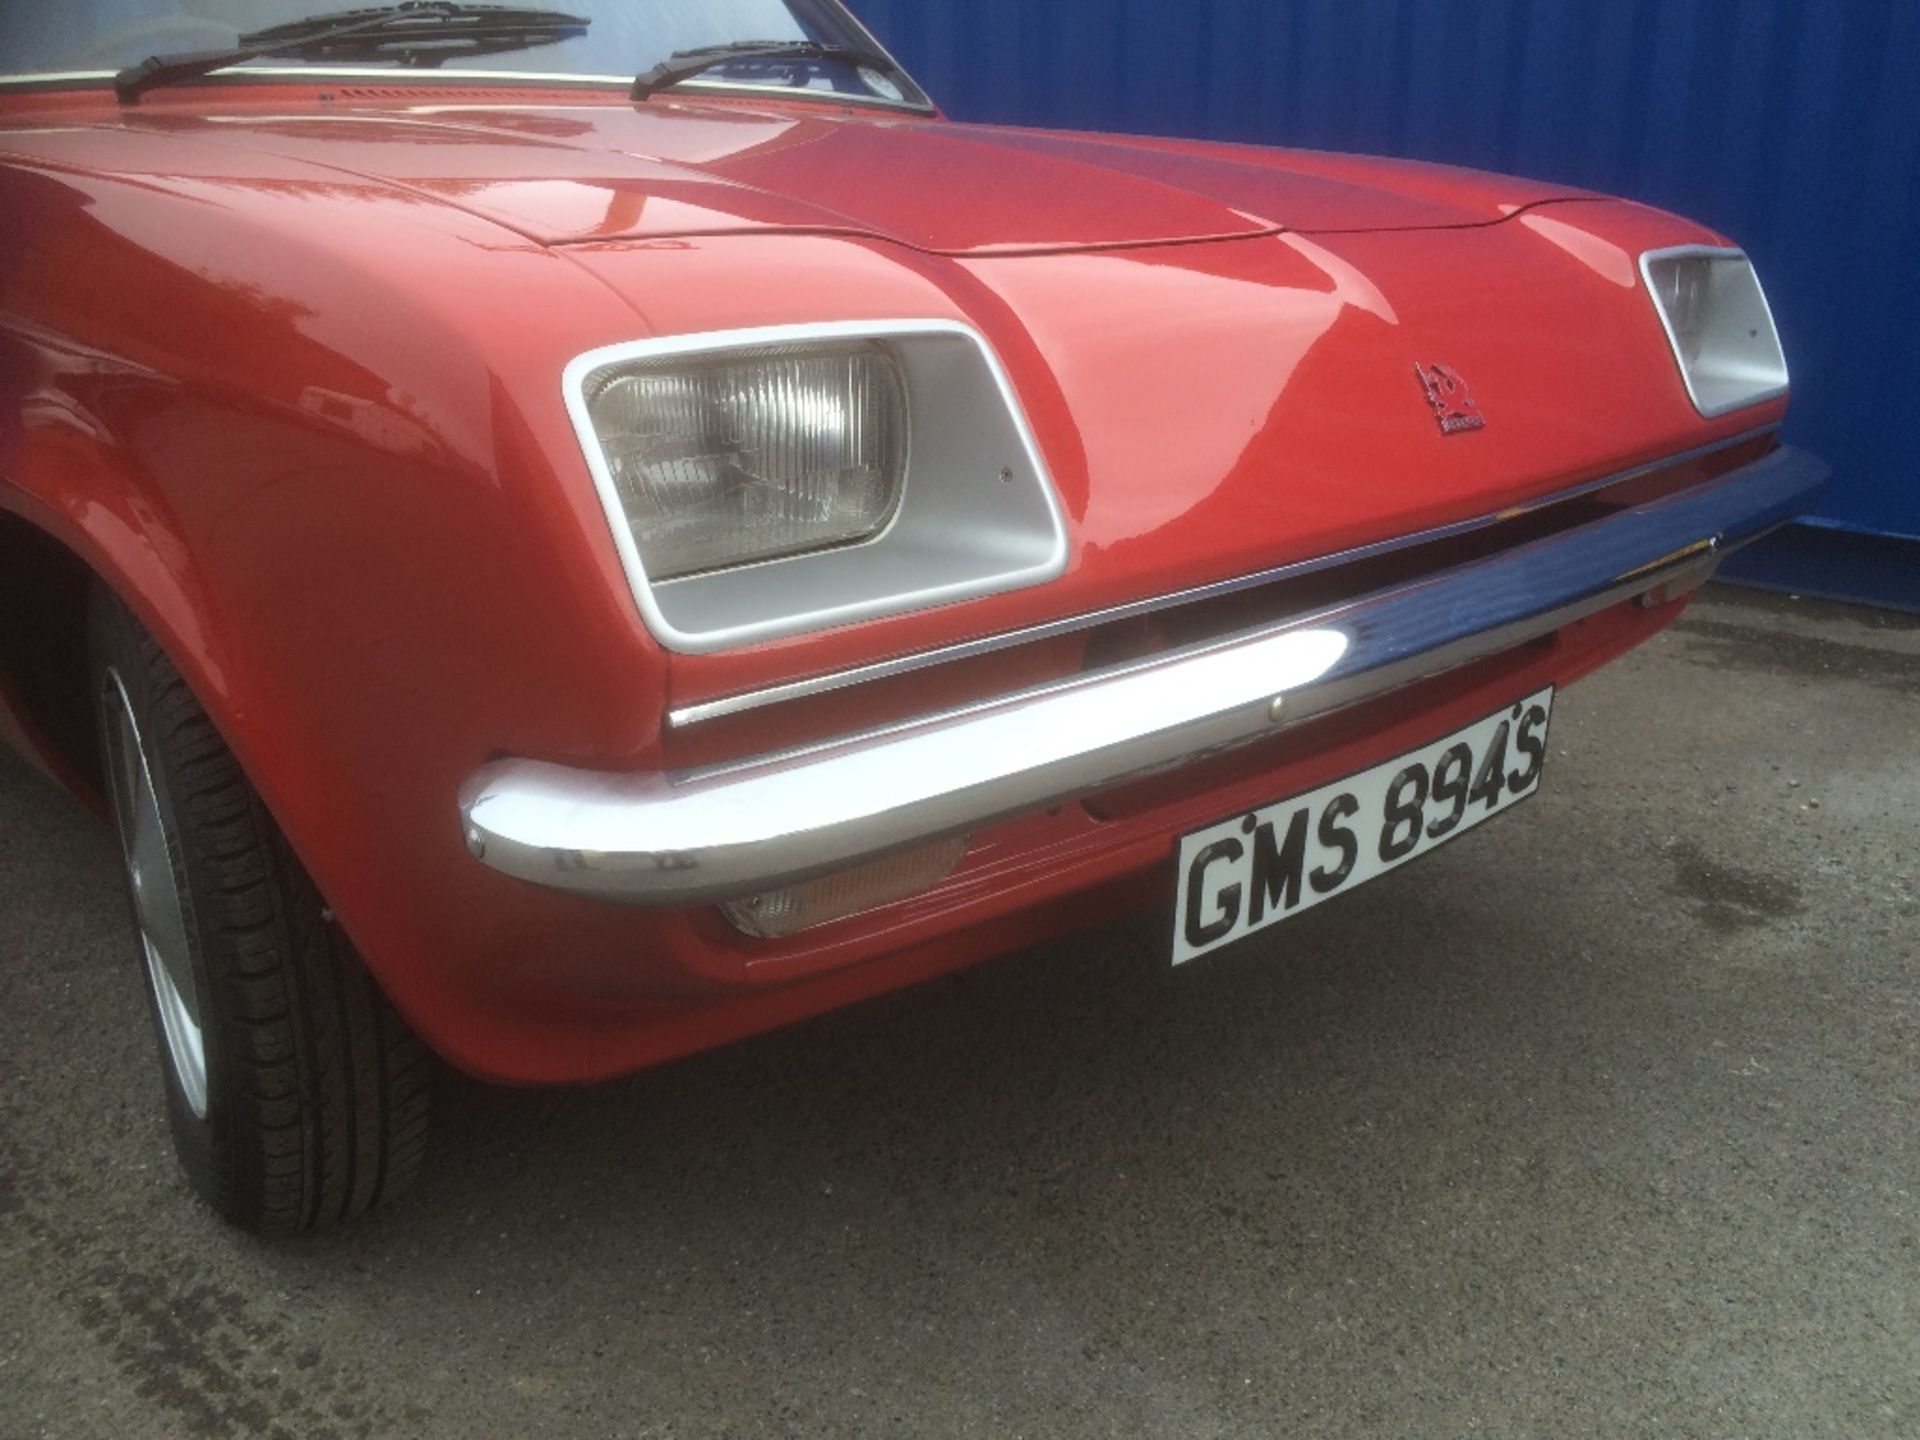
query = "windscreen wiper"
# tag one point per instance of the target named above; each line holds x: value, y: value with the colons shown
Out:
x: 420, y: 33
x: 685, y: 64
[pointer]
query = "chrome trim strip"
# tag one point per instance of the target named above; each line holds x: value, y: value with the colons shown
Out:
x: 687, y: 716
x: 55, y: 77
x: 355, y: 72
x: 1049, y: 545
x: 800, y: 92
x: 697, y: 837
x: 426, y: 79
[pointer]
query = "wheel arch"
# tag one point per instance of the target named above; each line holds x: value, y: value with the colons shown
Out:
x: 90, y: 527
x: 46, y: 710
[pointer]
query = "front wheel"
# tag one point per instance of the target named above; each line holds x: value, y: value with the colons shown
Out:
x: 297, y: 1097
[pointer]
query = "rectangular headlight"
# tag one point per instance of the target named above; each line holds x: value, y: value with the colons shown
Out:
x: 752, y: 455
x: 1722, y: 330
x: 795, y: 478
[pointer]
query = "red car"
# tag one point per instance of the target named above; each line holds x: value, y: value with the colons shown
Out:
x: 561, y: 571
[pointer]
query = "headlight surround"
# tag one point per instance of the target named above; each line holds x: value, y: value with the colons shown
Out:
x: 1719, y: 325
x: 778, y: 481
x: 752, y: 455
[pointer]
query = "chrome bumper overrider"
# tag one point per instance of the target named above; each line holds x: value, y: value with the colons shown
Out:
x: 701, y: 836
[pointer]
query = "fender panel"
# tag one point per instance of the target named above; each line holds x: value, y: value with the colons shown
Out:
x: 293, y: 454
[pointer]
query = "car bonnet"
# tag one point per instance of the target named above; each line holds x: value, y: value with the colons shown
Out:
x: 584, y: 173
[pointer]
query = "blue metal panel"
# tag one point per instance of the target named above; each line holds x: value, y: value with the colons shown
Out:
x: 1791, y: 125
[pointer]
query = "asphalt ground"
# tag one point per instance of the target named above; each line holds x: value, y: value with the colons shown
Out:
x: 1603, y: 1121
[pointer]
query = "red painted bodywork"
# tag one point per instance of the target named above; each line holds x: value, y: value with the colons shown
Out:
x: 282, y: 365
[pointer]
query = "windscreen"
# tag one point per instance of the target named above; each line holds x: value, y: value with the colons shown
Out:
x: 624, y: 38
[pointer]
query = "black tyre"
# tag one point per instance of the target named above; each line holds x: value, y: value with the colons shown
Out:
x: 298, y: 1097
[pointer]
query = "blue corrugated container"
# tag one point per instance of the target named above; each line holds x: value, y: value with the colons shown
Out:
x: 1791, y: 125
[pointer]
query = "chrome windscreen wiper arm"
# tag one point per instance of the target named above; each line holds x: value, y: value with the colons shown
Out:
x: 414, y: 32
x: 685, y: 64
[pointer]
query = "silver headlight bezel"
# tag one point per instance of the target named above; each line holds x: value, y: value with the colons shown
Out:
x: 978, y: 514
x: 1758, y: 353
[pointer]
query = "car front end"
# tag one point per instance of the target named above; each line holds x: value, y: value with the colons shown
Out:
x: 674, y: 561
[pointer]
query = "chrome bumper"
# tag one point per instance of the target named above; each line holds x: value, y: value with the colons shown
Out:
x: 680, y: 839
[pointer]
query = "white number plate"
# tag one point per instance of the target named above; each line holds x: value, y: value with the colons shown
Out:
x: 1256, y: 870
